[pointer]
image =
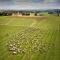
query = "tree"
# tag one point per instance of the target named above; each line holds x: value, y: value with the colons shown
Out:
x: 58, y: 12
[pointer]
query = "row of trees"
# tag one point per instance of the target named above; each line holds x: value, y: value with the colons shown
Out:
x: 5, y: 14
x: 9, y: 13
x: 57, y: 12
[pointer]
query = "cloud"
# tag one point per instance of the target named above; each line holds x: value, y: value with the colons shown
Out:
x: 29, y: 4
x: 6, y: 2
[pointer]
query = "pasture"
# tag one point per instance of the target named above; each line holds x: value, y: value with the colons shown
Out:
x: 30, y: 38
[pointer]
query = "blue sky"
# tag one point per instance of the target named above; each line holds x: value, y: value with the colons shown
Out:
x: 29, y: 4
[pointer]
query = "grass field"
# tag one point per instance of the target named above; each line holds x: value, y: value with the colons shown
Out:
x: 30, y: 38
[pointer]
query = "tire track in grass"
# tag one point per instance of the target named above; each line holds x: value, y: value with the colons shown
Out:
x: 9, y: 22
x: 4, y: 52
x: 57, y: 49
x: 57, y: 42
x: 54, y: 40
x: 50, y: 53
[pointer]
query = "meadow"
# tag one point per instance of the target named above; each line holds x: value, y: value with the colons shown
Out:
x: 30, y: 38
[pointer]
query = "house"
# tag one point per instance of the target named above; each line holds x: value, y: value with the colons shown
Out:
x: 32, y: 14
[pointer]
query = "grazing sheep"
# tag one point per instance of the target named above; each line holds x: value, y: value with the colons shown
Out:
x: 11, y: 45
x: 18, y: 50
x: 14, y: 52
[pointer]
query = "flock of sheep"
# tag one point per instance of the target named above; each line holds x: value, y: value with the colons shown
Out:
x: 29, y: 40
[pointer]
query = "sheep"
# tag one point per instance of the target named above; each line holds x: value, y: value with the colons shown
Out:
x: 14, y: 52
x: 11, y: 45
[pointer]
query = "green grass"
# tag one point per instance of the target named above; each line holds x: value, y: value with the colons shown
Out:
x: 44, y: 31
x: 15, y: 21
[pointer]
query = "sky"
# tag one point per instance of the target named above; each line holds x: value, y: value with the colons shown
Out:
x: 29, y: 4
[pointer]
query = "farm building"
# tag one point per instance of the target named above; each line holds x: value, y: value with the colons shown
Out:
x: 32, y: 14
x: 16, y: 14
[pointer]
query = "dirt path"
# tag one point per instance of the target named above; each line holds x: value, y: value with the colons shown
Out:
x: 33, y: 23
